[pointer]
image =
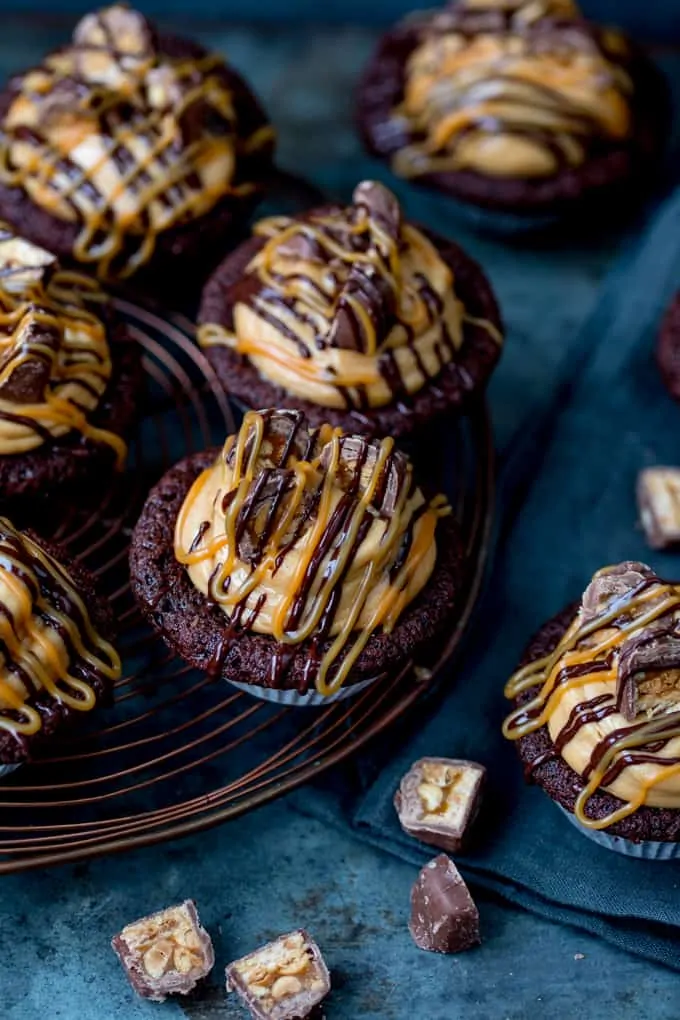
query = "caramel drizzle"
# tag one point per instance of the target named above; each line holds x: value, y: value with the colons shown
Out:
x: 81, y: 366
x: 518, y: 92
x: 324, y: 553
x: 310, y: 296
x: 571, y: 666
x: 47, y: 640
x: 164, y: 178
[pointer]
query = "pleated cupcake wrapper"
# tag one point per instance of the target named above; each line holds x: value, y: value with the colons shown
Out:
x: 310, y: 699
x: 6, y: 769
x: 648, y: 850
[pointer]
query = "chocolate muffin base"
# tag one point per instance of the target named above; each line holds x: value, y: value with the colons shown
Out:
x: 31, y: 482
x: 668, y: 348
x: 562, y: 783
x: 16, y: 749
x: 185, y: 254
x: 456, y: 384
x: 198, y: 631
x: 611, y: 179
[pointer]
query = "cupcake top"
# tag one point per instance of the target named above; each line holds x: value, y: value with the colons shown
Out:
x: 609, y: 694
x: 55, y: 361
x: 346, y: 306
x: 510, y: 88
x: 309, y: 536
x: 114, y: 135
x: 51, y: 650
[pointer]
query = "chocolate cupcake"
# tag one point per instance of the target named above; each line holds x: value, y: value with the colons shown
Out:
x: 130, y: 150
x: 597, y: 711
x: 517, y: 107
x: 299, y: 564
x: 668, y: 348
x: 57, y: 662
x: 69, y: 375
x: 352, y: 315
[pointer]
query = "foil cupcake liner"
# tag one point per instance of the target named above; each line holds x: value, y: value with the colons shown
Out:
x: 6, y: 769
x: 310, y: 699
x: 647, y: 850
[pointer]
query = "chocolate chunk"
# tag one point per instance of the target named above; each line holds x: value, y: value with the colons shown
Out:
x: 438, y: 800
x: 611, y: 585
x: 369, y: 288
x: 380, y: 204
x: 119, y: 29
x: 444, y: 918
x: 284, y: 980
x: 27, y: 366
x: 648, y: 673
x: 263, y: 510
x: 285, y: 437
x: 167, y: 953
x: 356, y: 466
x: 658, y: 493
x: 22, y: 264
x: 301, y: 245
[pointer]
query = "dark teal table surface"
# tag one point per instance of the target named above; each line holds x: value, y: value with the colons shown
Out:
x: 279, y: 868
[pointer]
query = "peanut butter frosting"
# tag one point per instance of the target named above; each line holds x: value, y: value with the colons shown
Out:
x: 511, y: 89
x: 116, y: 137
x: 346, y: 307
x: 49, y: 645
x: 55, y: 362
x: 610, y: 693
x: 308, y: 536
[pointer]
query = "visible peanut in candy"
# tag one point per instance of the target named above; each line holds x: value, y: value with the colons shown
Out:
x: 285, y: 979
x: 167, y: 953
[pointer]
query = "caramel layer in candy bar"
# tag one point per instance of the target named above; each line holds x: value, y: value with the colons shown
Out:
x: 283, y: 980
x: 658, y: 492
x: 444, y: 917
x: 438, y: 799
x: 167, y: 953
x: 648, y: 674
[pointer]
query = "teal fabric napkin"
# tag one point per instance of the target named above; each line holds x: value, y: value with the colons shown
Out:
x: 605, y: 418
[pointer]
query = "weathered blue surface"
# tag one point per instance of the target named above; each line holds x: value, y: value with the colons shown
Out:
x: 278, y: 868
x: 659, y: 19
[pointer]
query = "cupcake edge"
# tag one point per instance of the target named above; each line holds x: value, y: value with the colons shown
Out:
x: 598, y: 184
x: 446, y: 392
x: 13, y: 752
x: 194, y: 629
x: 563, y: 784
x: 196, y: 243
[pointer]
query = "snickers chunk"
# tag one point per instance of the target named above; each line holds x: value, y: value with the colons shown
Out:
x: 438, y: 800
x: 167, y: 953
x: 648, y: 673
x: 444, y: 917
x: 611, y: 586
x: 284, y: 980
x: 658, y: 493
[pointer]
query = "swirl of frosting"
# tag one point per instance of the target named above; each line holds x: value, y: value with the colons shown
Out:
x: 55, y: 362
x: 511, y: 89
x: 610, y: 693
x: 309, y: 536
x: 346, y: 307
x: 114, y: 135
x: 48, y: 643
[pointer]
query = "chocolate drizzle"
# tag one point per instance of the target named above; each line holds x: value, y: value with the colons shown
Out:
x: 55, y: 362
x: 112, y: 134
x: 514, y: 90
x: 347, y: 307
x: 625, y: 607
x: 48, y: 645
x: 319, y: 539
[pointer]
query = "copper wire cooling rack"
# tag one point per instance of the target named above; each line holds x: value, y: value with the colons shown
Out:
x: 180, y: 751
